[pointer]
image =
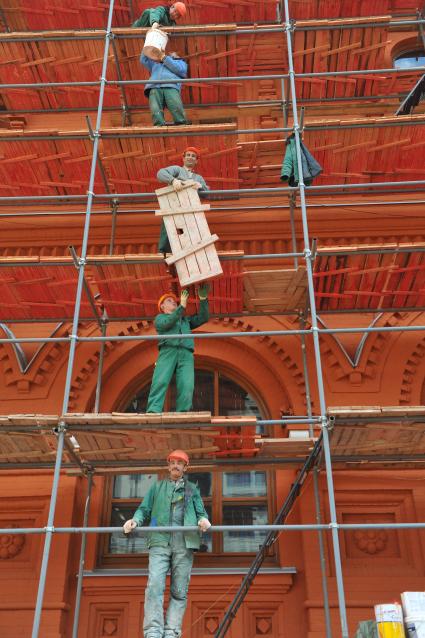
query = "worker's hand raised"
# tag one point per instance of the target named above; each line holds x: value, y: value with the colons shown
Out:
x: 203, y: 291
x: 155, y: 25
x: 204, y: 524
x: 177, y: 184
x: 184, y: 296
x: 129, y: 526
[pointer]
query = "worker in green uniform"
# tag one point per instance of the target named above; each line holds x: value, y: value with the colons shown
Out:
x: 161, y: 16
x: 170, y: 502
x: 176, y: 176
x: 176, y: 355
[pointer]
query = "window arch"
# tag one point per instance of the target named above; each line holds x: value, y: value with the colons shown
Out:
x: 216, y: 391
x: 231, y: 498
x: 410, y: 59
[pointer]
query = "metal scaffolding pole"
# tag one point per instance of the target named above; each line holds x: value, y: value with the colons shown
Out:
x: 49, y: 532
x: 216, y: 335
x: 100, y: 367
x: 309, y: 267
x: 328, y: 624
x: 73, y: 337
x: 240, y: 30
x: 82, y: 558
x: 143, y: 531
x: 227, y: 78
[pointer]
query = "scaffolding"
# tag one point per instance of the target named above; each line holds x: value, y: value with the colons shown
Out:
x: 322, y: 284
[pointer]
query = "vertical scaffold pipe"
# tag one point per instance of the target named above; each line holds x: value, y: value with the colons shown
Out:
x: 73, y: 340
x: 82, y: 558
x: 328, y: 625
x: 318, y: 363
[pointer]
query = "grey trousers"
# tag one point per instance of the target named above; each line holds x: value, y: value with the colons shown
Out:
x: 179, y: 560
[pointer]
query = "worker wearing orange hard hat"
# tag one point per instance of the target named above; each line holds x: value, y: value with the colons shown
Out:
x: 171, y: 502
x: 176, y: 176
x: 176, y: 355
x: 162, y: 16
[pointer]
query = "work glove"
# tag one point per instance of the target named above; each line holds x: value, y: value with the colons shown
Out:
x: 129, y: 526
x: 184, y: 296
x: 204, y: 524
x: 155, y: 25
x: 177, y: 184
x: 203, y: 291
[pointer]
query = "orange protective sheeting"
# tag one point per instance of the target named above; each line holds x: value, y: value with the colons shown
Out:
x: 370, y: 281
x: 328, y: 9
x: 132, y: 163
x: 127, y: 290
x: 40, y: 292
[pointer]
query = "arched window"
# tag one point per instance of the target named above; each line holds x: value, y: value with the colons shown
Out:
x: 231, y: 498
x: 410, y: 59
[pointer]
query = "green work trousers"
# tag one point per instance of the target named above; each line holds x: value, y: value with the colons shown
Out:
x: 163, y: 243
x: 172, y: 359
x: 171, y: 98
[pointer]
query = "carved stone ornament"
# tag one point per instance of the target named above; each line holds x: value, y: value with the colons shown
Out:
x: 11, y: 545
x: 371, y: 541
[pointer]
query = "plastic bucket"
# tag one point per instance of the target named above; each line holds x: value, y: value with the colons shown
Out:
x: 389, y: 621
x: 155, y: 43
x: 415, y: 626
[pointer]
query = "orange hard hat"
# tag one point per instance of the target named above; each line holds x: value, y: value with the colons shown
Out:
x: 164, y: 297
x: 181, y: 8
x: 179, y: 455
x: 192, y: 149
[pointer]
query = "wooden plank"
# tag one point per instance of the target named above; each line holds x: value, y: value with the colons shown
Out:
x: 192, y: 249
x: 182, y: 211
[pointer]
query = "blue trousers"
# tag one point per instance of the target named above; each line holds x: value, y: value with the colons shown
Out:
x: 179, y: 560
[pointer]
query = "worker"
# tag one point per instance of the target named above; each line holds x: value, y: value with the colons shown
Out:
x: 164, y: 16
x: 170, y: 502
x: 169, y: 69
x: 176, y: 176
x: 176, y: 355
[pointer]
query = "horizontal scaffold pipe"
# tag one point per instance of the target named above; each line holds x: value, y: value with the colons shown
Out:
x: 214, y: 528
x: 219, y: 209
x: 234, y: 191
x: 216, y: 335
x: 230, y: 78
x: 211, y: 30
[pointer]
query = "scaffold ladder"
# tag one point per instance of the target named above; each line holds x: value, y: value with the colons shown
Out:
x: 269, y: 540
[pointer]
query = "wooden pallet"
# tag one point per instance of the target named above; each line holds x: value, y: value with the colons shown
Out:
x: 275, y: 290
x: 192, y: 245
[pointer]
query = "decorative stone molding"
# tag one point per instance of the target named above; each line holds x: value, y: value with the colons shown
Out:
x: 25, y: 374
x: 413, y: 363
x: 85, y: 374
x: 264, y: 625
x: 371, y: 541
x: 11, y: 545
x: 90, y: 366
x: 371, y: 352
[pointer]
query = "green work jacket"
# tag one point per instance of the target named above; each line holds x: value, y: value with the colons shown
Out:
x: 157, y: 14
x: 178, y: 323
x: 155, y: 511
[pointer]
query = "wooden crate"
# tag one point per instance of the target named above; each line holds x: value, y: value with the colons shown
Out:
x: 192, y: 245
